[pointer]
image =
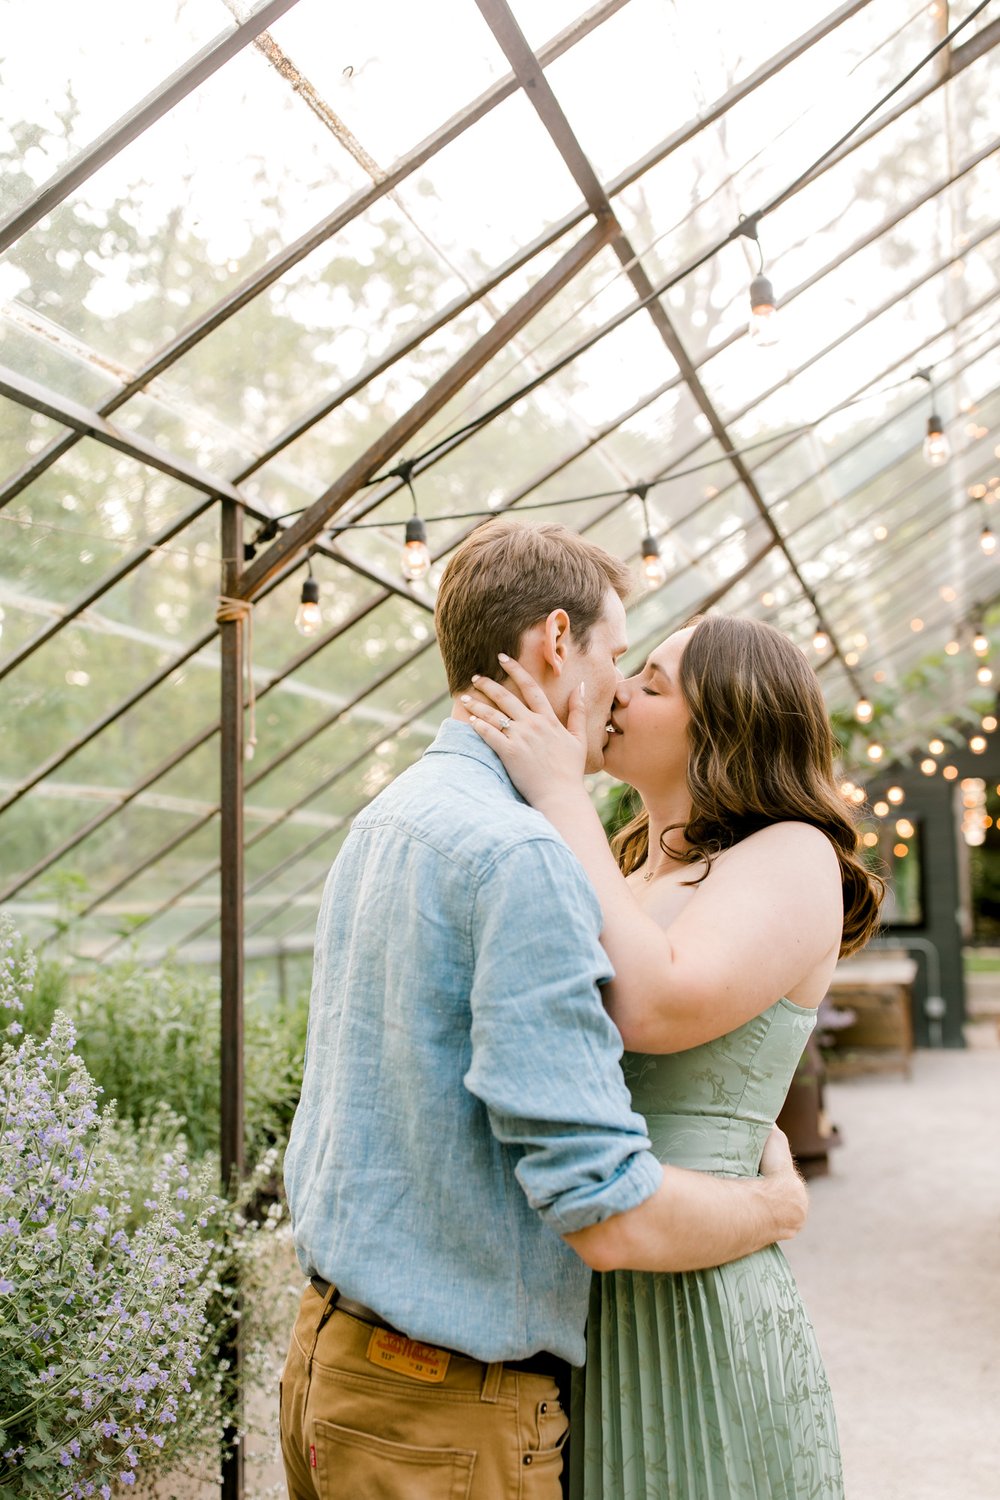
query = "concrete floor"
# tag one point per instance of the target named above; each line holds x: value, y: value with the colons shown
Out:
x: 899, y: 1266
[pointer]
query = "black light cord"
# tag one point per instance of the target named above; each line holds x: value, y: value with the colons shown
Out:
x: 639, y: 488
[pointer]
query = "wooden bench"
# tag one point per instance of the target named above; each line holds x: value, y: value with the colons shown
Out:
x: 879, y: 991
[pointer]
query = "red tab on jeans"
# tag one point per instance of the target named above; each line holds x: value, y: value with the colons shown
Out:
x: 312, y: 1455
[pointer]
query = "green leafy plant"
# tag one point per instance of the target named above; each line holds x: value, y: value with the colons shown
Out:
x: 150, y: 1037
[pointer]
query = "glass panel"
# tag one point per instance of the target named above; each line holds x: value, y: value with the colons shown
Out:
x: 385, y: 73
x: 87, y: 87
x: 40, y: 350
x: 23, y: 433
x: 166, y: 228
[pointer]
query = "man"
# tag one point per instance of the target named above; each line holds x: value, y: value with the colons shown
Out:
x: 465, y: 1150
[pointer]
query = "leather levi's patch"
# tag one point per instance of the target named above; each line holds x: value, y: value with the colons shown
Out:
x: 392, y: 1351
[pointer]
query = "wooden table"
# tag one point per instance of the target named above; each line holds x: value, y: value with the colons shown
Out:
x: 880, y: 993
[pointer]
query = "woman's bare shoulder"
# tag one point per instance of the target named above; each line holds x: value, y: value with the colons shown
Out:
x: 788, y: 843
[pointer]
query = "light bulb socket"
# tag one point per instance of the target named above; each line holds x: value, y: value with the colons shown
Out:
x: 310, y: 591
x: 762, y: 295
x: 416, y: 531
x: 935, y: 426
x: 650, y: 547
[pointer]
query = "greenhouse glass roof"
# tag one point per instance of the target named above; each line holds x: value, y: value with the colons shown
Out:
x: 310, y: 264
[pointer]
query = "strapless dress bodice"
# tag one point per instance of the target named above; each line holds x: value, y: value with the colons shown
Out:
x: 711, y: 1108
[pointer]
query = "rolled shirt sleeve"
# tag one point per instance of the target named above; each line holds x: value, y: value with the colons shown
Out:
x: 545, y: 1055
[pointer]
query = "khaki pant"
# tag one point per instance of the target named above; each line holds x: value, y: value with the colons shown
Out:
x: 352, y: 1429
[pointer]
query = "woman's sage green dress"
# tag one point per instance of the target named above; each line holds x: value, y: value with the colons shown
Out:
x: 707, y: 1385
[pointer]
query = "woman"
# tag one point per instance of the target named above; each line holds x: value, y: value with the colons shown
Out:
x: 741, y: 889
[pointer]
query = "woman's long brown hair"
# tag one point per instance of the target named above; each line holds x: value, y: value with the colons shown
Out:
x: 761, y: 751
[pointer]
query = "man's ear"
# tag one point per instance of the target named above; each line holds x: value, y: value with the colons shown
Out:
x: 555, y: 640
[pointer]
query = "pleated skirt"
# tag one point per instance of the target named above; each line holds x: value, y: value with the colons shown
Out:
x: 705, y: 1385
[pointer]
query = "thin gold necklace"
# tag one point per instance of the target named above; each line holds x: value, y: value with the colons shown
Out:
x: 657, y: 870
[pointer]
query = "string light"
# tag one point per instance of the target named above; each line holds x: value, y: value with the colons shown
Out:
x: 416, y: 560
x: 989, y: 723
x: 980, y: 642
x: 881, y: 809
x: 309, y: 616
x: 763, y: 327
x: 977, y: 744
x: 984, y: 675
x: 820, y: 640
x: 653, y: 568
x: 875, y: 751
x: 937, y: 449
x: 863, y: 711
x: 987, y: 541
x: 928, y: 766
x: 936, y: 747
x: 895, y: 795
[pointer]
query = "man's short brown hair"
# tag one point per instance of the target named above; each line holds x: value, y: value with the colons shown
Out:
x: 506, y: 577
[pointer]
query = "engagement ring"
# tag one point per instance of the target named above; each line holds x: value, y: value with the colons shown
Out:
x: 505, y: 723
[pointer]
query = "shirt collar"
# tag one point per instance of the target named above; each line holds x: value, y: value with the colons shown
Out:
x: 456, y: 738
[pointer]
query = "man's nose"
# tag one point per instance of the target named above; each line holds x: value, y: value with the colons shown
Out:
x: 622, y: 691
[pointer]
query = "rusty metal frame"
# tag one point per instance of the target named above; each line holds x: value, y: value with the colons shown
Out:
x: 64, y: 411
x: 982, y: 43
x: 98, y: 821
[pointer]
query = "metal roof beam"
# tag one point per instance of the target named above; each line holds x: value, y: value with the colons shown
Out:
x: 89, y: 423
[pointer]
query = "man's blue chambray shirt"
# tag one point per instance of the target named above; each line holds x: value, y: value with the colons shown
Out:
x: 462, y: 1105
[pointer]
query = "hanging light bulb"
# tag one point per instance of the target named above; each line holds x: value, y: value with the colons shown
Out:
x: 936, y: 747
x: 987, y: 541
x: 416, y: 558
x: 653, y: 569
x: 820, y: 640
x: 763, y: 326
x: 984, y: 675
x: 928, y: 766
x: 875, y: 751
x: 863, y: 711
x: 309, y: 616
x: 980, y: 643
x: 937, y: 449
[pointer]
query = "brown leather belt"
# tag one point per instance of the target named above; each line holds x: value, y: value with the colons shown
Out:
x: 542, y: 1363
